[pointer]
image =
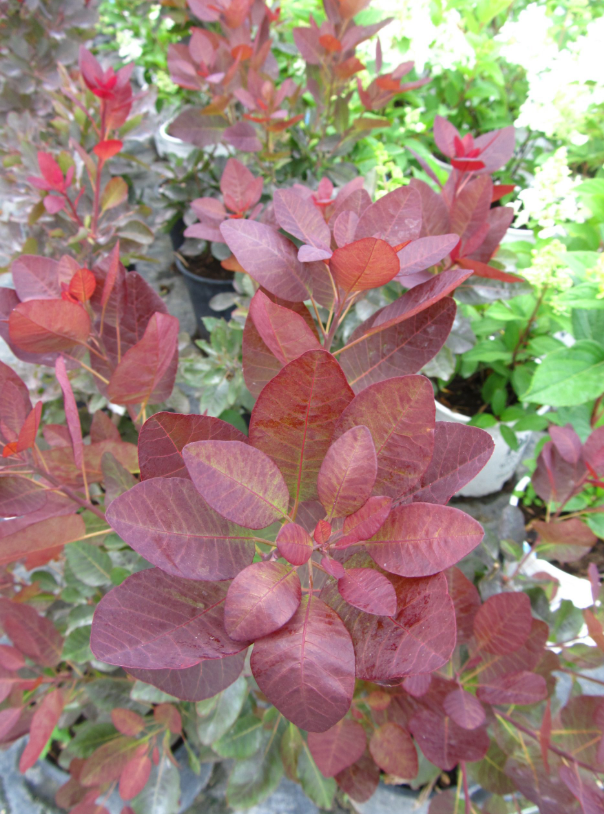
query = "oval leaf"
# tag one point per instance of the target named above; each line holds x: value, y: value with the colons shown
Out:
x: 392, y: 749
x: 310, y: 683
x: 364, y: 264
x: 294, y: 543
x: 170, y: 524
x: 197, y: 683
x: 369, y: 591
x: 261, y: 599
x: 503, y: 623
x: 338, y: 747
x: 348, y: 473
x: 366, y: 522
x: 48, y: 326
x: 155, y: 621
x: 238, y: 481
x: 465, y: 709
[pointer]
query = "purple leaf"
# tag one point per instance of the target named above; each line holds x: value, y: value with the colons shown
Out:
x: 503, y: 623
x: 203, y: 680
x: 460, y: 452
x: 34, y: 635
x: 470, y: 208
x: 163, y: 436
x: 395, y: 218
x: 169, y: 523
x: 338, y: 747
x: 299, y: 217
x: 295, y: 416
x: 364, y: 523
x: 269, y: 257
x: 465, y: 709
x: 515, y: 688
x: 195, y: 127
x: 240, y: 189
x: 293, y: 543
x: 466, y: 601
x: 567, y: 442
x: 36, y: 278
x: 399, y: 350
x: 157, y: 621
x: 306, y: 668
x: 418, y: 639
x: 242, y: 136
x: 444, y: 743
x: 238, y: 481
x: 345, y: 227
x: 496, y: 148
x: 309, y: 254
x: 15, y: 404
x: 360, y: 780
x: 422, y: 539
x: 285, y: 333
x: 369, y: 591
x: 261, y: 599
x: 348, y: 473
x: 420, y: 297
x: 71, y: 412
x: 425, y: 252
x: 444, y: 135
x: 399, y: 414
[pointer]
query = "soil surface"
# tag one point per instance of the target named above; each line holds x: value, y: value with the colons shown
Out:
x: 205, y: 265
x: 464, y: 395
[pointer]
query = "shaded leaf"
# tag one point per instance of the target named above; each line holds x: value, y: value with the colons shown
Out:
x: 444, y: 743
x: 46, y: 717
x: 515, y: 688
x: 203, y: 680
x: 465, y: 709
x: 226, y: 709
x: 317, y: 788
x: 360, y: 780
x: 35, y: 636
x: 242, y: 740
x: 90, y: 564
x: 503, y: 623
x: 392, y: 749
x: 338, y: 747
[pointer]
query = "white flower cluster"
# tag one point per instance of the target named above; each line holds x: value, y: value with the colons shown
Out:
x: 596, y: 273
x: 549, y: 268
x: 550, y: 200
x: 442, y: 45
x: 564, y: 85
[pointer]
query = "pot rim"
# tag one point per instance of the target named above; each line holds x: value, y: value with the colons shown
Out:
x: 205, y: 280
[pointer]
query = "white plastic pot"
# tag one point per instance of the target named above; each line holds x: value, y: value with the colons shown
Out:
x: 167, y: 145
x: 502, y: 463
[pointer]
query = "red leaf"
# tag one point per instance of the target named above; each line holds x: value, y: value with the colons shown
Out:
x: 269, y: 257
x: 71, y: 412
x: 311, y: 685
x: 238, y: 481
x: 108, y: 148
x: 330, y: 43
x: 503, y: 623
x: 364, y: 264
x: 565, y: 540
x: 164, y: 435
x: 582, y: 786
x: 526, y: 657
x: 48, y: 326
x: 501, y: 190
x: 107, y: 762
x: 365, y: 522
x: 15, y: 405
x: 134, y: 776
x: 419, y: 298
x: 8, y: 718
x: 294, y: 543
x: 466, y: 601
x: 338, y: 747
x: 392, y: 749
x: 261, y: 599
x: 127, y: 721
x: 242, y: 136
x: 546, y: 791
x: 284, y: 332
x: 294, y: 418
x: 156, y: 621
x: 46, y: 535
x: 425, y: 252
x: 444, y: 135
x: 112, y: 273
x: 168, y: 715
x: 444, y: 743
x: 360, y: 780
x: 348, y: 473
x: 82, y: 285
x: 419, y: 639
x: 490, y: 273
x: 399, y: 413
x: 240, y: 189
x: 465, y: 709
x: 36, y: 278
x: 50, y: 170
x: 516, y: 688
x: 322, y: 532
x: 203, y: 680
x: 422, y: 539
x: 10, y: 658
x: 29, y: 430
x: 496, y: 147
x: 172, y: 526
x: 395, y: 218
x: 369, y: 591
x: 298, y: 216
x: 417, y: 686
x: 32, y: 634
x: 147, y: 370
x: 460, y: 452
x: 46, y: 717
x: 333, y: 567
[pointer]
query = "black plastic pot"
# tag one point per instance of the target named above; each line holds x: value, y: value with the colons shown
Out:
x: 201, y: 290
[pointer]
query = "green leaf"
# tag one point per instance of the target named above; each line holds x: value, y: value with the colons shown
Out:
x: 485, y: 420
x: 114, y: 194
x: 587, y: 324
x: 89, y: 737
x: 137, y: 231
x: 80, y: 616
x: 321, y: 790
x: 162, y: 792
x: 90, y: 564
x: 119, y: 574
x: 291, y: 744
x: 536, y: 423
x: 596, y: 523
x: 568, y: 621
x: 254, y: 779
x: 235, y: 418
x: 77, y: 645
x: 509, y: 436
x: 108, y: 693
x: 242, y: 740
x: 569, y: 376
x: 149, y: 695
x: 224, y: 714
